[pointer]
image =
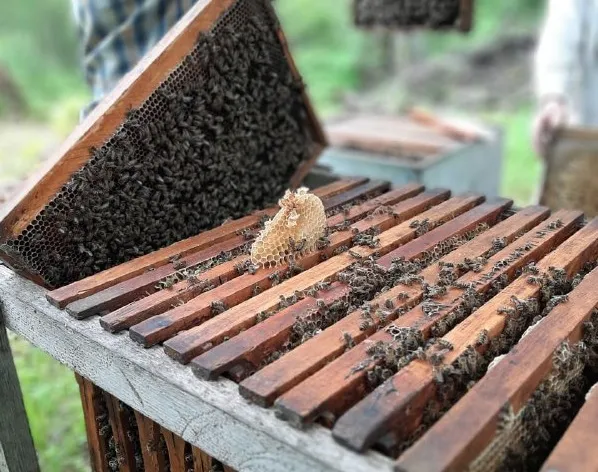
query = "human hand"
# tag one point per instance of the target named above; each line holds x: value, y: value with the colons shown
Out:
x: 551, y: 115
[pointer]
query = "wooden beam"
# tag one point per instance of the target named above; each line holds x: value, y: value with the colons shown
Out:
x: 149, y: 438
x: 17, y: 452
x: 91, y: 397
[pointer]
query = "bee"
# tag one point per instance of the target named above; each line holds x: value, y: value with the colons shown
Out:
x: 482, y: 338
x: 348, y: 339
x: 218, y: 307
x: 178, y: 264
x: 443, y: 343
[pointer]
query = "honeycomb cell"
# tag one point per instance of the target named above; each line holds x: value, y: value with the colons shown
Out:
x: 294, y: 230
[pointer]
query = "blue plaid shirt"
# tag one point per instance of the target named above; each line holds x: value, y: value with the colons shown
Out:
x: 115, y: 34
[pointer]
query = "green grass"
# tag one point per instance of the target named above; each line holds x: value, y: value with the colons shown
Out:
x: 51, y: 396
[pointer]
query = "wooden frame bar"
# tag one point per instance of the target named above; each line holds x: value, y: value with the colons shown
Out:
x: 344, y: 385
x: 399, y: 402
x: 194, y: 341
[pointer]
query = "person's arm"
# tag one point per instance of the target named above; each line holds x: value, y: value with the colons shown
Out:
x: 557, y: 63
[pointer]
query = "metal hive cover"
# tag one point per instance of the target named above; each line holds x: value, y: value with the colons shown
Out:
x: 214, y: 123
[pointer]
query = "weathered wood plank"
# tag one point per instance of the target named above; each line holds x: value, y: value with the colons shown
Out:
x: 296, y: 366
x: 97, y: 444
x: 575, y: 451
x: 17, y: 452
x: 398, y: 403
x: 211, y: 363
x: 241, y: 435
x: 149, y: 438
x: 339, y: 385
x: 61, y: 297
x: 193, y: 342
x: 182, y: 292
x: 129, y: 290
x: 162, y: 327
x: 512, y: 381
x: 339, y: 186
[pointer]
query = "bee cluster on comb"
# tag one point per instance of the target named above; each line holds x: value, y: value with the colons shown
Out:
x: 405, y: 14
x: 221, y: 137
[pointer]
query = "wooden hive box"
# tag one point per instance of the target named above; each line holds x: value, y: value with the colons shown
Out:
x: 212, y: 124
x: 421, y: 314
x: 416, y: 147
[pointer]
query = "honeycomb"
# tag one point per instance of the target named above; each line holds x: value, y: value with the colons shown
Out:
x: 219, y: 138
x: 294, y: 230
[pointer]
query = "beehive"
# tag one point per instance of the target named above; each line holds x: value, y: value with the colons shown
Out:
x: 213, y: 124
x: 410, y: 14
x: 421, y: 315
x: 418, y: 146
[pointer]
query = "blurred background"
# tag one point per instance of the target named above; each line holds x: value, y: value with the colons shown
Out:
x: 486, y: 75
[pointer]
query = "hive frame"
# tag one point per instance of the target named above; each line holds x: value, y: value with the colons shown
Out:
x: 464, y: 24
x: 131, y: 92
